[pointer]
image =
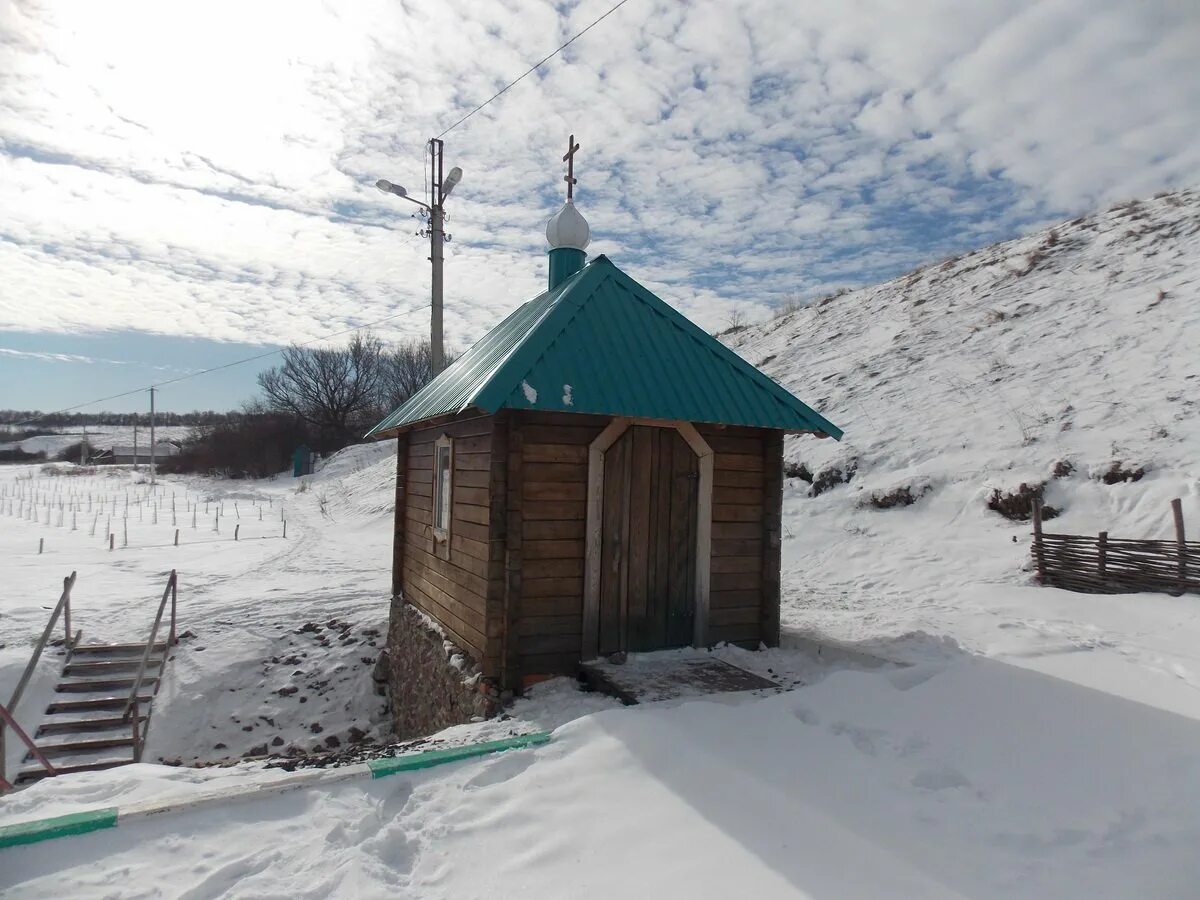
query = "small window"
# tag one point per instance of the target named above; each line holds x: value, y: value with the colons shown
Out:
x: 443, y: 467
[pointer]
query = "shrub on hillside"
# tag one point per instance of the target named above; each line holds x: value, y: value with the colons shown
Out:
x: 797, y: 470
x: 831, y: 476
x: 259, y: 445
x: 905, y: 495
x: 1119, y: 472
x: 70, y: 453
x: 1018, y: 505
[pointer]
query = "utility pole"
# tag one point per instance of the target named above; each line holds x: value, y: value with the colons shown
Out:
x: 440, y: 189
x: 437, y: 217
x: 135, y: 444
x: 152, y: 435
x: 83, y: 447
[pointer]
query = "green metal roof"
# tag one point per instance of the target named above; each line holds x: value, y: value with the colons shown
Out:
x: 601, y: 343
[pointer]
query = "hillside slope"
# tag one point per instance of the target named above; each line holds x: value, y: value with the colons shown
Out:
x: 1079, y: 344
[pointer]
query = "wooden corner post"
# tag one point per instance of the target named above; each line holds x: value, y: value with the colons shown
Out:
x: 510, y: 674
x: 400, y: 515
x: 772, y: 535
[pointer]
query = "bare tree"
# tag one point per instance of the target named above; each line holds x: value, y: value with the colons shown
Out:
x: 335, y: 390
x: 405, y: 369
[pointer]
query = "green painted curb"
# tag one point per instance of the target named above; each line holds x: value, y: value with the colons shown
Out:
x: 96, y: 819
x: 59, y: 826
x: 381, y: 767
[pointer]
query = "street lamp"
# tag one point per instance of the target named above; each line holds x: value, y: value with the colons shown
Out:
x: 440, y: 190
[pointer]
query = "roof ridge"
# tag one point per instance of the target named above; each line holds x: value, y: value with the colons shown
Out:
x: 493, y: 391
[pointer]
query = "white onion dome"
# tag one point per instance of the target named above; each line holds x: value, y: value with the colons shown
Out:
x: 568, y: 228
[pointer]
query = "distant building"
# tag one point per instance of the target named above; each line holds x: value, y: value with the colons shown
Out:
x: 125, y: 454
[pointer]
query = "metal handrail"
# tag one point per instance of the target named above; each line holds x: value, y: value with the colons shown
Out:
x: 132, y: 704
x: 6, y: 717
x: 63, y: 606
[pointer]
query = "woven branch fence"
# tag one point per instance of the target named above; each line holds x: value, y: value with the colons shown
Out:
x: 1103, y: 565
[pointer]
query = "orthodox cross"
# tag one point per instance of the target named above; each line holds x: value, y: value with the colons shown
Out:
x: 569, y: 159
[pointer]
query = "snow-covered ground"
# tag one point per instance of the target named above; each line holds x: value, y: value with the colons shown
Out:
x: 1040, y: 743
x: 99, y: 436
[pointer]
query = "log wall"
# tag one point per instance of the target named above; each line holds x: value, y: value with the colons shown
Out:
x: 453, y: 584
x: 510, y: 589
x: 554, y: 470
x: 744, y: 520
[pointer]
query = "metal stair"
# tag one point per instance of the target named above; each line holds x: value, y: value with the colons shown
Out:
x: 92, y: 729
x: 101, y: 715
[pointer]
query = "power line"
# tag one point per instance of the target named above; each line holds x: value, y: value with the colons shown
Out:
x: 228, y: 365
x: 534, y: 67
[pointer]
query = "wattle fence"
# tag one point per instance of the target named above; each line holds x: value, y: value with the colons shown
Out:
x: 1098, y: 564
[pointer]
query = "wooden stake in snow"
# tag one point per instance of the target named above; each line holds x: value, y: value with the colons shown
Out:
x: 236, y: 529
x: 111, y: 539
x: 41, y: 544
x: 176, y: 537
x: 1038, y: 554
x: 1177, y: 514
x: 285, y: 527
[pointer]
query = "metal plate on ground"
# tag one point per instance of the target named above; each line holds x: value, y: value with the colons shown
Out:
x: 651, y: 677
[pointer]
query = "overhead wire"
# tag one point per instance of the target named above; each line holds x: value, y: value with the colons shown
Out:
x: 228, y: 365
x: 248, y: 359
x: 537, y: 65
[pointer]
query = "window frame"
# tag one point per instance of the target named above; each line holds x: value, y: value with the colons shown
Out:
x: 442, y: 503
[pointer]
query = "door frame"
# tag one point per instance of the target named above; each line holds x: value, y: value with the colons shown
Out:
x: 595, y: 520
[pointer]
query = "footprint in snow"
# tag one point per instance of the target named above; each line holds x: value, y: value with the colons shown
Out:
x: 807, y: 716
x: 864, y: 740
x: 939, y: 779
x: 506, y: 767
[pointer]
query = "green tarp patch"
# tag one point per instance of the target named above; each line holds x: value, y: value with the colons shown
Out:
x: 381, y: 767
x: 59, y: 826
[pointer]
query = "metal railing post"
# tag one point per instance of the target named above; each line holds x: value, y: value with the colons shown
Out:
x: 137, y: 741
x: 67, y: 612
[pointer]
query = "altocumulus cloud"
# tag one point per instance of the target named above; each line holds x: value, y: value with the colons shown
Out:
x: 204, y: 169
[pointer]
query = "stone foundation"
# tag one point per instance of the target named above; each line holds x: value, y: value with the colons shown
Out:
x: 432, y: 684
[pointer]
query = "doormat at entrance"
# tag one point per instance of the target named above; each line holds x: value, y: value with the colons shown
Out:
x: 651, y: 677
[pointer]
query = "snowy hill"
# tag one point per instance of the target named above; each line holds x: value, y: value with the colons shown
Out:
x: 1078, y: 342
x: 1076, y: 345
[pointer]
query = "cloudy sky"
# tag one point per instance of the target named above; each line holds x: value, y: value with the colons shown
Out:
x: 182, y: 183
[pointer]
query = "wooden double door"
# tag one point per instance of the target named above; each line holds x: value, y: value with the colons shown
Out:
x: 648, y: 543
